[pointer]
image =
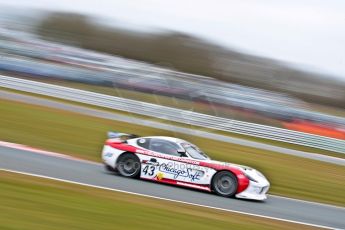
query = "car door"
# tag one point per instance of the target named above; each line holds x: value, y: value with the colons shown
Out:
x: 160, y: 165
x: 168, y: 165
x: 164, y: 165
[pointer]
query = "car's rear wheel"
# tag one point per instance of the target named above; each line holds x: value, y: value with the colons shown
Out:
x: 224, y: 183
x: 128, y: 165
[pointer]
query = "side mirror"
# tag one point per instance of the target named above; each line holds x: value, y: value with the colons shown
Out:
x: 182, y: 153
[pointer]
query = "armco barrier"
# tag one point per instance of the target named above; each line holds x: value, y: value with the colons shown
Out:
x: 173, y: 114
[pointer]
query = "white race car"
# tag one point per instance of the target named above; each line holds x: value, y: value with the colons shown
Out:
x: 178, y: 162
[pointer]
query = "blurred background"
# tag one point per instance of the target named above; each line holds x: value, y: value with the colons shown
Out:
x: 124, y: 50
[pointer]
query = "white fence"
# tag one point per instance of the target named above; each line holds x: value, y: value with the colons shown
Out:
x: 173, y: 114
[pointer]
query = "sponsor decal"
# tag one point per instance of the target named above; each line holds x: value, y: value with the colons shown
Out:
x: 188, y: 172
x: 108, y: 154
x: 142, y: 140
x: 160, y: 176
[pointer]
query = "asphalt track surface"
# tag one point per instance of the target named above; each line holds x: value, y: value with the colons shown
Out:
x: 94, y: 174
x: 134, y: 120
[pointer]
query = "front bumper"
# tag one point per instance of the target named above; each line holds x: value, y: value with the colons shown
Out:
x: 255, y: 191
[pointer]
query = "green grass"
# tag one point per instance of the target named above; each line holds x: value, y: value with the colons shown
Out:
x: 83, y: 136
x: 33, y: 203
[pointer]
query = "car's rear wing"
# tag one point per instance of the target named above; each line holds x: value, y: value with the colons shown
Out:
x: 121, y: 136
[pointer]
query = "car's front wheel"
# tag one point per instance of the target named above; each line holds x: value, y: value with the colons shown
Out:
x: 224, y: 183
x: 128, y: 165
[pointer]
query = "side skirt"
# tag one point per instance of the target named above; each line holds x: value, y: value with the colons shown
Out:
x: 180, y: 183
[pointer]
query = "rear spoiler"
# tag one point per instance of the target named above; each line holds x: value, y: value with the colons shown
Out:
x: 122, y: 136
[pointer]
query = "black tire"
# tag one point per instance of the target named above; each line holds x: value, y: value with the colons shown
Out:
x: 128, y: 165
x: 224, y: 183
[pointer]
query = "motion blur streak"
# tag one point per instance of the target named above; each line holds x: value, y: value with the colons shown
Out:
x: 283, y: 103
x: 163, y: 126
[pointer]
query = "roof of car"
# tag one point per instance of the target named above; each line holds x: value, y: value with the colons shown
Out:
x: 172, y: 139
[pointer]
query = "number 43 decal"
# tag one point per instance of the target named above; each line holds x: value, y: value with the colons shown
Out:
x: 149, y: 170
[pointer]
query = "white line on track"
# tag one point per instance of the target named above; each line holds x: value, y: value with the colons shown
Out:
x: 165, y: 199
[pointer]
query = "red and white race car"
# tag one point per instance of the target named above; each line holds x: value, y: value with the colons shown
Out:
x: 178, y: 162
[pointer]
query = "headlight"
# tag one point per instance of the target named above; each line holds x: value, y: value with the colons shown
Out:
x: 250, y: 178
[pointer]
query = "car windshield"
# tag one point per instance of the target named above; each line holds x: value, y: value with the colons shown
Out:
x: 194, y: 151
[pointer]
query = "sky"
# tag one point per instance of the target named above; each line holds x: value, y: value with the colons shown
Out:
x: 310, y: 33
